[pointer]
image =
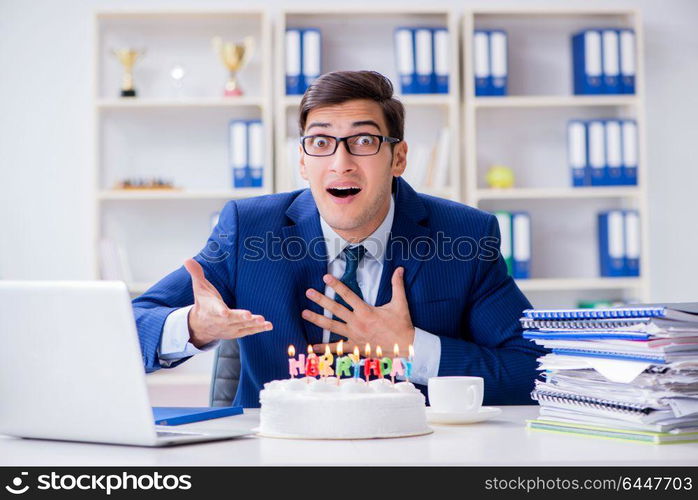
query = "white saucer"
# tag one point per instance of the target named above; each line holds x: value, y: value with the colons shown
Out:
x: 452, y: 418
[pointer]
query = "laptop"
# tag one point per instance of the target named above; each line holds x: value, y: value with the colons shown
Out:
x: 71, y: 367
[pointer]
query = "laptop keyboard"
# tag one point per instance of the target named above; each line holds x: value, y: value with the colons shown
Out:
x: 175, y: 434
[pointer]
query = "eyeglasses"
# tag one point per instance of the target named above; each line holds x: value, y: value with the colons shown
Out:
x: 357, y: 145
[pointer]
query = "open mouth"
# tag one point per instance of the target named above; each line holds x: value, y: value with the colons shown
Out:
x: 343, y: 192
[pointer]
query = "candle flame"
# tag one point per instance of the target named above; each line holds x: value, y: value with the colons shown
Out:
x: 310, y: 349
x: 411, y: 351
x: 356, y: 351
x: 327, y: 350
x: 340, y: 348
x: 291, y: 351
x: 367, y: 350
x: 379, y: 352
x: 396, y: 351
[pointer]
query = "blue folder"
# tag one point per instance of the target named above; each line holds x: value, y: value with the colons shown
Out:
x: 178, y: 415
x: 587, y: 62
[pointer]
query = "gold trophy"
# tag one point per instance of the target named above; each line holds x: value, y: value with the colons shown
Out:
x: 234, y: 56
x: 127, y: 57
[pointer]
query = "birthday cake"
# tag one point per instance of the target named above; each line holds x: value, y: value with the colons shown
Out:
x: 349, y: 408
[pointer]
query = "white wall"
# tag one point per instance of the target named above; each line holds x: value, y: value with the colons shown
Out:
x: 46, y: 143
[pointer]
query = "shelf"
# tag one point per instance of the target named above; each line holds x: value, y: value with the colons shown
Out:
x: 558, y: 193
x: 573, y: 284
x: 190, y: 102
x: 126, y: 195
x: 554, y: 101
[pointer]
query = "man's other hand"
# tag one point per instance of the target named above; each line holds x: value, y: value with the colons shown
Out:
x: 211, y: 319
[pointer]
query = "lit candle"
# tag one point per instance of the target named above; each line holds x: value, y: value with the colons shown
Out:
x: 311, y: 364
x: 343, y: 363
x: 386, y: 366
x: 295, y: 365
x: 325, y: 363
x: 367, y: 356
x: 355, y: 362
x: 382, y: 362
x: 408, y: 363
x: 396, y: 355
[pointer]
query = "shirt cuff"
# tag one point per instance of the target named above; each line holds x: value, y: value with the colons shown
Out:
x: 427, y: 356
x: 174, y: 343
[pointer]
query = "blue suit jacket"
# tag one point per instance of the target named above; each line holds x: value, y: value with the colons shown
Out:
x: 266, y: 251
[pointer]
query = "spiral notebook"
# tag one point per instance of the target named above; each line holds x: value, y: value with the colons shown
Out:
x: 654, y: 326
x: 687, y: 311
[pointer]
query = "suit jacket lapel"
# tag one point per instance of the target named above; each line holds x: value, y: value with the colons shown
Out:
x: 410, y: 213
x: 312, y: 264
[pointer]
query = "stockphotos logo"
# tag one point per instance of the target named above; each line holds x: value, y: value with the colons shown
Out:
x: 16, y: 488
x: 106, y: 483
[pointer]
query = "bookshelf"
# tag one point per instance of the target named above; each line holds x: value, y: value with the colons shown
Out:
x: 178, y: 134
x: 362, y: 38
x: 526, y: 131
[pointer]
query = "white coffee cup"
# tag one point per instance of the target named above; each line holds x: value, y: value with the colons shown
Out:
x: 456, y: 394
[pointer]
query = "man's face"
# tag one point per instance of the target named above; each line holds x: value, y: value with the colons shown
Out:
x: 360, y: 212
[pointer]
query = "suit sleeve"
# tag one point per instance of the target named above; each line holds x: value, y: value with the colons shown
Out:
x: 493, y: 347
x: 175, y: 290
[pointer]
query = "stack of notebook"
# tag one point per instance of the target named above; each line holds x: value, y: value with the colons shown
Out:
x: 625, y: 373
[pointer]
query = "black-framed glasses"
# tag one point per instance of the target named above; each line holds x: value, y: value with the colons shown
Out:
x: 357, y: 145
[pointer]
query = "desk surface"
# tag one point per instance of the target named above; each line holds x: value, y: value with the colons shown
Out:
x: 503, y: 440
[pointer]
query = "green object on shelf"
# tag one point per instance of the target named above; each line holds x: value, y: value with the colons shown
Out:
x: 505, y: 247
x: 596, y: 304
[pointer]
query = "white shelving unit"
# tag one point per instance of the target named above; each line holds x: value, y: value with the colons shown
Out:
x: 362, y: 39
x: 526, y: 131
x: 174, y: 134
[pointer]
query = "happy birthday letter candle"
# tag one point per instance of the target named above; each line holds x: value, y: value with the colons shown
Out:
x: 311, y: 364
x: 356, y: 362
x: 325, y: 363
x: 295, y: 365
x: 386, y: 364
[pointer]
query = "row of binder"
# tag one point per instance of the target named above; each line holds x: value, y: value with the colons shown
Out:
x: 246, y: 153
x: 490, y: 62
x: 303, y: 59
x: 422, y: 60
x: 603, y: 61
x: 515, y: 246
x: 619, y: 243
x: 602, y: 152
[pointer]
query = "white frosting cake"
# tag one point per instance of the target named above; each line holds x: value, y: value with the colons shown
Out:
x: 322, y: 409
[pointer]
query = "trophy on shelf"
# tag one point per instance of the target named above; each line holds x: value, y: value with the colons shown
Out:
x: 127, y: 57
x: 234, y: 56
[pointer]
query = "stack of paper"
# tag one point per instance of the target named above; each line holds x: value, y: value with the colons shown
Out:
x: 622, y: 373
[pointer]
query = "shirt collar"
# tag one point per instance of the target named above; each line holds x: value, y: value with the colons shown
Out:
x: 375, y: 243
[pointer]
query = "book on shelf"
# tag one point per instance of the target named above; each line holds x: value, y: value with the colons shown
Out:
x: 603, y: 61
x: 619, y: 243
x: 113, y: 261
x: 515, y: 242
x: 490, y: 58
x: 303, y: 58
x: 246, y: 153
x: 602, y: 152
x: 422, y: 56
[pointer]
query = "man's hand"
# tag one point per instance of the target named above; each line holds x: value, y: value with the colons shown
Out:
x: 383, y: 326
x: 210, y: 319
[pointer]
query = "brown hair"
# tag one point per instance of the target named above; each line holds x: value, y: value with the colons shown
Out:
x: 341, y: 86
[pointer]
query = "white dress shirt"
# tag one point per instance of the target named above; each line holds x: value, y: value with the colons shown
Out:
x: 175, y: 344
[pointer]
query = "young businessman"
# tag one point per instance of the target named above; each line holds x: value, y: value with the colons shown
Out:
x: 359, y: 256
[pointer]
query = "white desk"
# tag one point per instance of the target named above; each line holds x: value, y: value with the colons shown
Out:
x: 500, y: 441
